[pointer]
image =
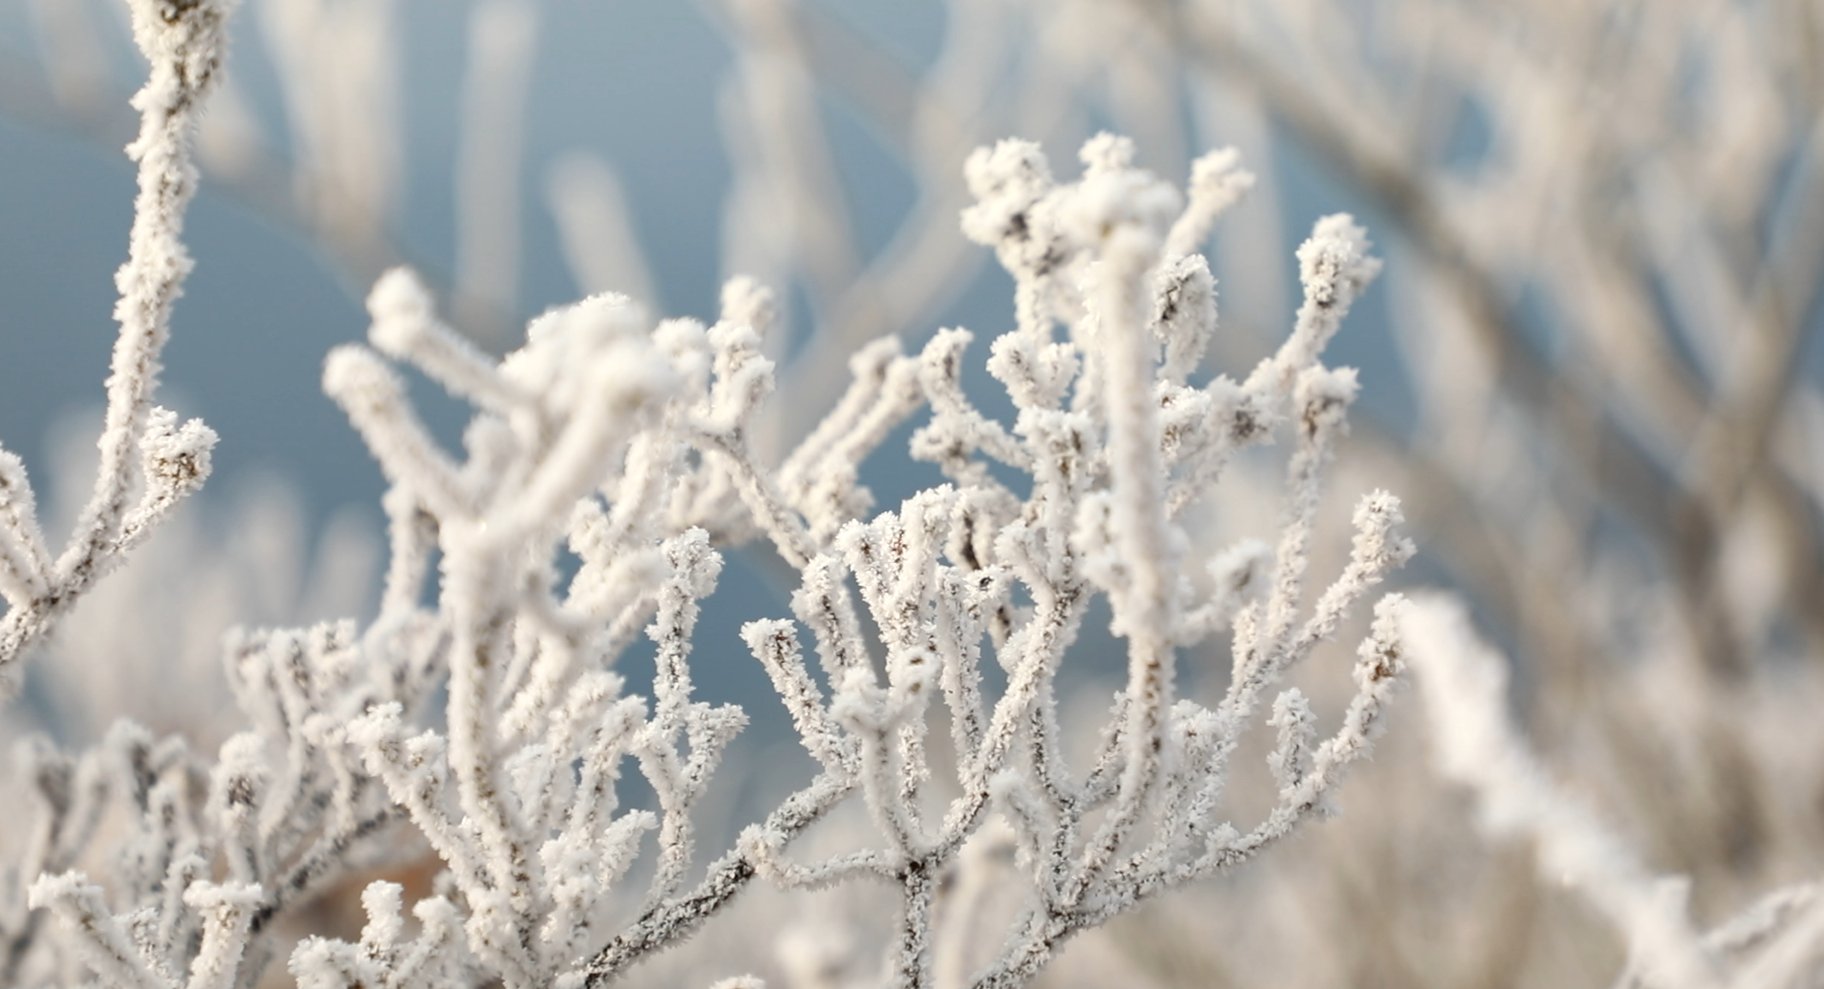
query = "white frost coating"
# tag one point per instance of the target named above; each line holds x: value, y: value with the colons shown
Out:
x: 25, y: 565
x: 174, y: 462
x: 1291, y: 758
x: 1217, y: 182
x: 183, y: 40
x: 373, y: 396
x: 406, y: 328
x: 1184, y: 314
x: 1334, y: 266
x: 226, y: 912
x: 104, y: 945
x: 121, y: 958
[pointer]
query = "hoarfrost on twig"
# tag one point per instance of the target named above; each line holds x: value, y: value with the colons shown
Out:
x: 484, y: 728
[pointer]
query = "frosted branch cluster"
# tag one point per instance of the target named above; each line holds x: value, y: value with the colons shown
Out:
x: 477, y: 729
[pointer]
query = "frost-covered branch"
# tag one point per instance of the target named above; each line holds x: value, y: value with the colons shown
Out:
x: 142, y: 448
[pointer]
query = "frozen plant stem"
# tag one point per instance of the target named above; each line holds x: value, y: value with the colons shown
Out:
x: 183, y: 40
